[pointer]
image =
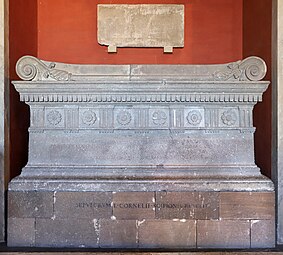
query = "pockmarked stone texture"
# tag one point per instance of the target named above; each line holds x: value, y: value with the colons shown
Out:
x: 30, y: 204
x: 247, y: 205
x: 260, y: 237
x: 66, y: 233
x: 167, y: 233
x: 83, y: 205
x: 131, y: 156
x: 22, y: 231
x: 223, y: 234
x: 118, y: 233
x: 186, y: 205
x: 140, y: 25
x: 134, y: 205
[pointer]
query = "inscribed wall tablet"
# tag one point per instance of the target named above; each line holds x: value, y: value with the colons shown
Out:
x: 142, y: 25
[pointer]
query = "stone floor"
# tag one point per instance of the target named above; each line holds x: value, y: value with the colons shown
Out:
x: 145, y: 253
x: 4, y: 250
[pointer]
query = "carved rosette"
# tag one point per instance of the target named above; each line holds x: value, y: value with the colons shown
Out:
x: 159, y: 118
x: 250, y: 69
x: 124, y: 118
x: 54, y: 117
x: 89, y: 118
x: 30, y: 68
x: 194, y: 117
x: 151, y: 118
x: 229, y: 117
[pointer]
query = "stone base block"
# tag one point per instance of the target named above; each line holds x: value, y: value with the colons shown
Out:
x: 141, y: 219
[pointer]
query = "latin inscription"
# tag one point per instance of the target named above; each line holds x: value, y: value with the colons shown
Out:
x: 141, y: 205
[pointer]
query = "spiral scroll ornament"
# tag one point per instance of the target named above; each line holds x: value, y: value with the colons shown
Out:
x: 250, y: 69
x: 255, y: 69
x: 29, y: 68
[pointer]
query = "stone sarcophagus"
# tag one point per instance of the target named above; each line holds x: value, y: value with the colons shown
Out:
x: 141, y: 156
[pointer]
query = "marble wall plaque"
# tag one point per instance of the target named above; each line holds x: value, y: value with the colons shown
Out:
x: 142, y: 25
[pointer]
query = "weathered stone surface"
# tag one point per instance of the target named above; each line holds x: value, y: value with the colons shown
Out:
x: 83, y: 205
x: 133, y: 205
x: 250, y: 184
x: 118, y: 234
x: 148, y: 125
x: 157, y: 135
x: 66, y: 233
x: 251, y: 69
x: 223, y: 234
x: 263, y: 233
x: 247, y: 205
x: 187, y: 205
x: 143, y: 25
x: 167, y: 234
x: 21, y: 232
x: 30, y: 204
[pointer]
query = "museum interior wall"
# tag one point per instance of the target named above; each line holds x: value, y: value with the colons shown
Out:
x: 216, y: 31
x: 257, y: 17
x: 22, y: 41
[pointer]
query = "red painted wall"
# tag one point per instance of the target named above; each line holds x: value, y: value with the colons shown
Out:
x: 257, y: 17
x: 22, y: 41
x: 67, y: 33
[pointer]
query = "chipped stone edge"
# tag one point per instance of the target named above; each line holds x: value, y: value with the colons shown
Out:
x: 30, y: 68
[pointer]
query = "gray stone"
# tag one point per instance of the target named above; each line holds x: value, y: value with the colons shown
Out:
x: 157, y: 128
x: 133, y: 205
x: 21, y: 232
x: 263, y: 233
x: 118, y: 234
x: 141, y: 25
x: 187, y: 205
x: 252, y: 69
x: 30, y: 204
x: 66, y: 233
x: 83, y: 205
x: 144, y: 136
x: 167, y: 234
x: 257, y: 183
x: 223, y: 234
x: 247, y: 205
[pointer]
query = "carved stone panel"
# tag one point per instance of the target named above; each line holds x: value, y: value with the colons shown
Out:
x: 142, y: 25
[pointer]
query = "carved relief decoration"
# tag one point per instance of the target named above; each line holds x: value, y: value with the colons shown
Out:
x: 140, y: 98
x: 89, y: 117
x: 31, y: 68
x: 186, y: 118
x: 229, y: 117
x: 194, y: 117
x: 124, y: 118
x: 250, y: 69
x: 159, y: 118
x: 54, y: 117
